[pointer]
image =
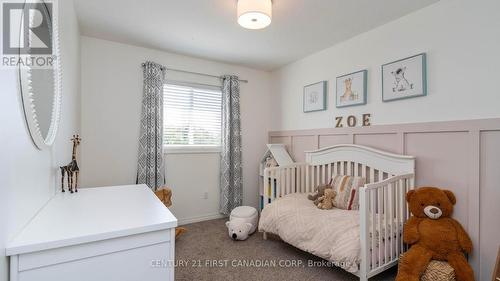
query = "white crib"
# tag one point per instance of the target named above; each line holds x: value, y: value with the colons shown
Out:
x: 389, y: 176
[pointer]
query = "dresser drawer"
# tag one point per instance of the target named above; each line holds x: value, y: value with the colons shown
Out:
x: 128, y: 265
x: 66, y: 254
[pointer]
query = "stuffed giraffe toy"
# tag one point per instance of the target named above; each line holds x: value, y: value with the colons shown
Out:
x: 71, y: 170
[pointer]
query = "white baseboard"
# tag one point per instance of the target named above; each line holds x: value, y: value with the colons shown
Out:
x: 183, y: 221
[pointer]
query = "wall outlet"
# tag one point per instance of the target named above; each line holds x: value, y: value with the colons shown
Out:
x: 205, y: 195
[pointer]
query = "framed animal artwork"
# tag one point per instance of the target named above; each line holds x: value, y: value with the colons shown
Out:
x: 315, y: 97
x: 405, y: 78
x: 351, y: 89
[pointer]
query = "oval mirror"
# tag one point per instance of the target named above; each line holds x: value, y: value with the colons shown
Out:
x: 39, y: 70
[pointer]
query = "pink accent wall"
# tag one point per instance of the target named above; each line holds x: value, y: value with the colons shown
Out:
x: 489, y: 178
x: 329, y: 140
x: 463, y: 156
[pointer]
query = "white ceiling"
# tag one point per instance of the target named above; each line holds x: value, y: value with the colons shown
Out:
x: 208, y: 28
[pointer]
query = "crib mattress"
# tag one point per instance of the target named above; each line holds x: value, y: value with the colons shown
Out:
x: 333, y: 234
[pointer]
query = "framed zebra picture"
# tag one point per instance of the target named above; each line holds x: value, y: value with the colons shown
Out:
x: 404, y: 78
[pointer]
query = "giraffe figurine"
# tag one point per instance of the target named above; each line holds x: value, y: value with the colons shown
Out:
x: 71, y: 170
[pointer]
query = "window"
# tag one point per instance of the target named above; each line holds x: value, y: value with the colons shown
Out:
x: 192, y: 116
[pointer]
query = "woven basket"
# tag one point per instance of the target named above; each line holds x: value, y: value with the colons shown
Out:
x: 438, y: 271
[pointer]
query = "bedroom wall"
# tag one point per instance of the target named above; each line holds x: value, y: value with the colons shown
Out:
x: 461, y: 42
x: 111, y: 106
x: 27, y: 175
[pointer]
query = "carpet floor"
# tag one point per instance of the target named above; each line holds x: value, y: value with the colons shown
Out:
x: 205, y: 252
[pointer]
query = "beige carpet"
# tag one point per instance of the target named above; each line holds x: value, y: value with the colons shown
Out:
x: 205, y: 252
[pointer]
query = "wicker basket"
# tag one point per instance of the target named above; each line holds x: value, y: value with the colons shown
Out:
x: 438, y: 271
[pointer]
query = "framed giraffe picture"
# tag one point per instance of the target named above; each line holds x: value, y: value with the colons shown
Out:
x: 351, y: 89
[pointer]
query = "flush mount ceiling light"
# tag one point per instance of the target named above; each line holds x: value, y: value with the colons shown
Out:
x: 254, y: 14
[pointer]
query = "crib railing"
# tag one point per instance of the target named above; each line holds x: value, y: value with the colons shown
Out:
x: 303, y: 177
x: 383, y: 212
x: 283, y: 180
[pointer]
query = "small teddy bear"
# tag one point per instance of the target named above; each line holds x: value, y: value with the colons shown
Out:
x: 326, y: 201
x: 320, y: 191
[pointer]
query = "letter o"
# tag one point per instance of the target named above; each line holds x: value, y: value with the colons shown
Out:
x: 351, y: 121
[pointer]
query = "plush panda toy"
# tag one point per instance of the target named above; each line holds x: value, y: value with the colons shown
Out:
x: 242, y: 222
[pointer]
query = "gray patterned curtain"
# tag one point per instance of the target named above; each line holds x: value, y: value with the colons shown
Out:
x: 150, y: 161
x: 231, y: 194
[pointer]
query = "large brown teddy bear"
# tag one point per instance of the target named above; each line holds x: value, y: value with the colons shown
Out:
x: 433, y: 234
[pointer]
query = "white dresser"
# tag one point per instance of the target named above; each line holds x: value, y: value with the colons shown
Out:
x: 101, y: 234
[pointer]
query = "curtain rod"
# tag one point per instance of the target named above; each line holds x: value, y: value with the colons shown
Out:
x: 197, y: 73
x: 184, y: 83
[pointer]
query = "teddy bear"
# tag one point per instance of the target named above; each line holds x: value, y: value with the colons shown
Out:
x: 433, y: 235
x: 326, y: 201
x: 320, y: 191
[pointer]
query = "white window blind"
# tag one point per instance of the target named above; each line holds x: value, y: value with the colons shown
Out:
x: 192, y: 115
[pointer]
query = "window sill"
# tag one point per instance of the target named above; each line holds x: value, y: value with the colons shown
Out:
x: 187, y: 149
